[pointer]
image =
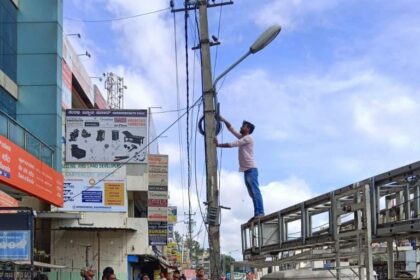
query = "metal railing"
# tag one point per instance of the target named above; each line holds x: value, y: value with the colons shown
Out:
x: 16, y: 133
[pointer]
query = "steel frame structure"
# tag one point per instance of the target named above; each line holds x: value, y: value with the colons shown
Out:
x: 340, y: 225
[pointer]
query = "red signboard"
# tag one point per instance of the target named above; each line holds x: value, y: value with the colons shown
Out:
x: 7, y: 201
x: 158, y: 203
x: 23, y: 171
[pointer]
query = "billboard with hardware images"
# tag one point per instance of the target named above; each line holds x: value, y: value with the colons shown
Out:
x: 118, y: 136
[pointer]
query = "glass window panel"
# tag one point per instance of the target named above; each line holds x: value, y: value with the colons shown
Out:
x: 33, y: 145
x: 46, y: 155
x: 16, y: 134
x: 7, y: 103
x: 3, y: 125
x: 8, y: 39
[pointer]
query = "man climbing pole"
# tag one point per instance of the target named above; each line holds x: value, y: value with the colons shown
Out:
x: 245, y: 144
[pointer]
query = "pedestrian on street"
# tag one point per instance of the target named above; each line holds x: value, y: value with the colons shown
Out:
x: 163, y: 275
x: 247, y: 164
x: 199, y: 274
x: 176, y: 275
x: 87, y: 273
x: 41, y: 277
x: 107, y: 272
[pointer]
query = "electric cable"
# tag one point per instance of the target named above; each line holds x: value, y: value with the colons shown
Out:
x: 218, y: 36
x: 116, y: 19
x: 188, y: 115
x: 178, y: 102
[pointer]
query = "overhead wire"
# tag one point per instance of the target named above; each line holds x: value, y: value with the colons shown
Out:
x: 188, y: 115
x: 178, y: 102
x: 116, y: 19
x: 218, y: 36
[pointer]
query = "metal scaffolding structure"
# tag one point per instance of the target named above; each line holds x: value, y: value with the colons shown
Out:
x: 340, y: 227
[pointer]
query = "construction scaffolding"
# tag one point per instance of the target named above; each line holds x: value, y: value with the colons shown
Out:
x: 339, y: 228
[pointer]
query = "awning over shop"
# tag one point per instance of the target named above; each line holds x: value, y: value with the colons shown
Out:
x: 40, y: 264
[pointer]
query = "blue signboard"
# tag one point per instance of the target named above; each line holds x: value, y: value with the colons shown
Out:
x: 15, y: 245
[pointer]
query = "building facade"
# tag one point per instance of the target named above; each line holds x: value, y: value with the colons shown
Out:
x: 30, y: 113
x: 40, y: 78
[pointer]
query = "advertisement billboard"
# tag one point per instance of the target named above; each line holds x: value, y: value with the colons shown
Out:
x: 22, y: 171
x: 172, y: 214
x: 91, y: 194
x: 106, y: 136
x: 158, y: 232
x: 15, y: 245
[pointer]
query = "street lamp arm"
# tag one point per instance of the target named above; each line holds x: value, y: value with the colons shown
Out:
x: 262, y: 41
x: 229, y: 69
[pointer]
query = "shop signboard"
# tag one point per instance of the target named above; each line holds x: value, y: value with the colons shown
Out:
x: 7, y: 201
x: 94, y: 195
x: 158, y: 179
x: 158, y: 232
x: 158, y: 163
x: 15, y: 245
x: 21, y: 170
x: 117, y: 136
x: 157, y: 214
x: 172, y: 214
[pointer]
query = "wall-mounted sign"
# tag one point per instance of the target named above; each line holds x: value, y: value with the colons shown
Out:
x: 7, y: 201
x: 157, y: 214
x: 172, y: 214
x: 15, y: 245
x: 158, y: 233
x: 23, y: 171
x: 106, y: 136
x: 91, y: 194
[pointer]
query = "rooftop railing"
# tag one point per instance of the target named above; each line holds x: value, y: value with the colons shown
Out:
x: 16, y: 133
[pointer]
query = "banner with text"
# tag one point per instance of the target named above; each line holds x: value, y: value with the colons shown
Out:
x: 158, y: 233
x: 106, y: 136
x: 157, y: 211
x: 21, y: 170
x: 91, y: 194
x: 15, y: 245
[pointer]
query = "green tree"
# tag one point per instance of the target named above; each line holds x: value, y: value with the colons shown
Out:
x: 226, y: 262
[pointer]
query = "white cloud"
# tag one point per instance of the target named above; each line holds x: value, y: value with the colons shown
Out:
x: 147, y: 45
x: 276, y: 195
x: 293, y: 14
x: 388, y: 114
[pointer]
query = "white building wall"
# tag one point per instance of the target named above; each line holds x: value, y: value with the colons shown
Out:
x: 112, y: 236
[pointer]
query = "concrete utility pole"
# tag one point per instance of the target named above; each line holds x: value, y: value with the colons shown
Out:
x: 210, y: 146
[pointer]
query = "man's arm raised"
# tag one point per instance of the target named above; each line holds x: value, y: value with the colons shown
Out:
x: 229, y: 127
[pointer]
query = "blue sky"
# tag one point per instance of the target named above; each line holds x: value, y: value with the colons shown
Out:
x: 334, y: 98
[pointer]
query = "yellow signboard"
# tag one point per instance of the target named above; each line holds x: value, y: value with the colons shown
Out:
x: 114, y: 193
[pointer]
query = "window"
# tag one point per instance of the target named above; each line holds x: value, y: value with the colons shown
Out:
x: 7, y: 103
x: 8, y: 38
